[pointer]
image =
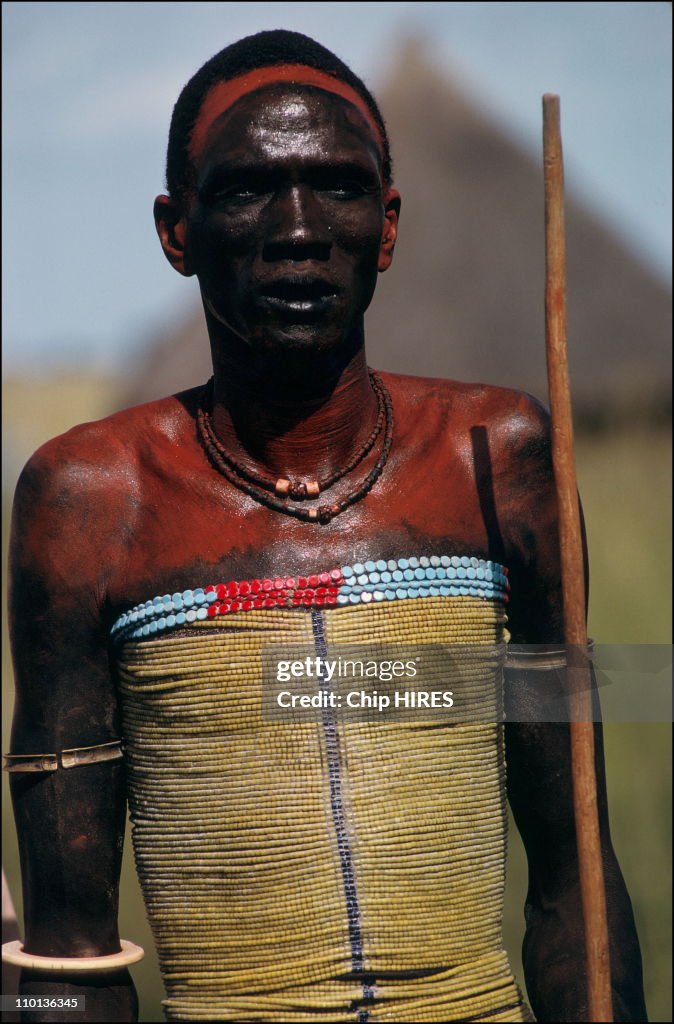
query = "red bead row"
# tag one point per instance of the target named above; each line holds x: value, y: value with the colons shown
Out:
x: 281, y: 592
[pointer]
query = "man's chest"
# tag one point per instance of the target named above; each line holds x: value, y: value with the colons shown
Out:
x: 195, y: 529
x: 197, y: 543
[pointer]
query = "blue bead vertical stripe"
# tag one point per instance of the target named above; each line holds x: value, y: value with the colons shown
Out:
x: 339, y: 821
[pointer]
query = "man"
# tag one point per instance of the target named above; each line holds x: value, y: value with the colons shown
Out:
x: 292, y: 871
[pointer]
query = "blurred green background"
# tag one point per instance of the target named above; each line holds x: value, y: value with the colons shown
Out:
x: 625, y: 480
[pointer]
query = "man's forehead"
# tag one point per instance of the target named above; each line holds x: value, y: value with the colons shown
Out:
x: 226, y: 95
x: 278, y: 119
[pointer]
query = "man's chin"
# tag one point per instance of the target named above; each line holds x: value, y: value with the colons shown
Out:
x: 296, y: 338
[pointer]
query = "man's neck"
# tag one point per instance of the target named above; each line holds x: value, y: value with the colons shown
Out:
x: 300, y: 416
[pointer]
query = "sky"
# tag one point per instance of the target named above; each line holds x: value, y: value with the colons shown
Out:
x: 88, y: 90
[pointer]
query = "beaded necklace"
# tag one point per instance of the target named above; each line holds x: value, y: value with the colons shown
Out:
x: 268, y: 492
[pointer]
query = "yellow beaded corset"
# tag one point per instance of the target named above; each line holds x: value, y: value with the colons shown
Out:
x: 326, y: 869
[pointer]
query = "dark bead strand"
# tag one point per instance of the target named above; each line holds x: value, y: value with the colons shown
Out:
x: 297, y: 490
x: 322, y: 514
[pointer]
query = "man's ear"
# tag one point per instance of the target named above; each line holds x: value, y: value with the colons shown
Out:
x: 390, y: 233
x: 169, y: 221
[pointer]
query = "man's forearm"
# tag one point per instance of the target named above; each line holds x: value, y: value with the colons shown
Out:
x: 70, y: 826
x: 108, y: 996
x: 554, y: 956
x: 540, y: 791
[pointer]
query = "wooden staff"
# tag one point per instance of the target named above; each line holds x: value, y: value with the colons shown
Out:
x: 588, y: 842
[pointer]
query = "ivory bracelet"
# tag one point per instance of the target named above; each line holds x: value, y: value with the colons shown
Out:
x: 13, y: 953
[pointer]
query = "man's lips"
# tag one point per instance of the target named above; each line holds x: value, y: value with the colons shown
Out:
x: 298, y: 294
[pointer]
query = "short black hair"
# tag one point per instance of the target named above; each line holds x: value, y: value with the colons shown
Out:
x: 264, y: 49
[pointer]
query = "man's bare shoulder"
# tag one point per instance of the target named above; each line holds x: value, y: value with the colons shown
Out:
x: 513, y: 419
x: 102, y: 449
x: 104, y: 461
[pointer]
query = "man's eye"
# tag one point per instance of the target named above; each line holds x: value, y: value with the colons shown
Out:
x: 348, y: 188
x: 240, y: 195
x: 237, y: 195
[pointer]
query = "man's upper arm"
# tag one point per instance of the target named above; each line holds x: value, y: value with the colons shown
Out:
x: 70, y: 821
x: 538, y: 750
x: 526, y: 505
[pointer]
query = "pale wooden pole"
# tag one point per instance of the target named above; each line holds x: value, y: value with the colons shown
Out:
x: 588, y: 841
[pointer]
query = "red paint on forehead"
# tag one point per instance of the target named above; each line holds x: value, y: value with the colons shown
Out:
x: 223, y: 95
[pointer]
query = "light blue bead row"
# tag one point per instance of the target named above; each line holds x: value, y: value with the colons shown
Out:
x: 488, y: 576
x: 428, y: 567
x: 168, y: 622
x: 374, y: 592
x: 486, y: 589
x: 159, y: 607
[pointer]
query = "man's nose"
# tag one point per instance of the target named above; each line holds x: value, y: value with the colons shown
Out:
x: 297, y: 228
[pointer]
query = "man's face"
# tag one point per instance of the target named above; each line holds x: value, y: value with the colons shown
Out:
x: 284, y: 229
